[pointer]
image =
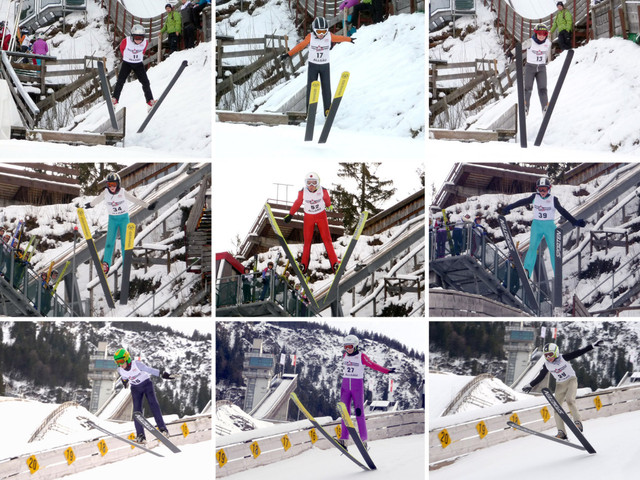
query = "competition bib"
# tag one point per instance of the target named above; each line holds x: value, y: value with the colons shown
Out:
x: 544, y: 208
x: 319, y: 49
x: 313, y: 201
x: 353, y: 366
x: 561, y: 369
x: 116, y: 204
x: 134, y: 53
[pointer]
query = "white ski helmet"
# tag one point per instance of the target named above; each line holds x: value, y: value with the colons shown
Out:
x: 312, y: 178
x: 138, y: 31
x: 551, y: 352
x: 351, y: 340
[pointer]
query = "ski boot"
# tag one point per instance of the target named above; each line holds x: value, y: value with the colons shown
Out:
x: 140, y: 438
x: 150, y: 104
x: 303, y: 268
x: 326, y: 113
x: 343, y: 443
x: 366, y: 447
x: 579, y: 425
x: 164, y: 432
x: 336, y: 266
x: 561, y: 435
x: 105, y: 267
x: 114, y: 101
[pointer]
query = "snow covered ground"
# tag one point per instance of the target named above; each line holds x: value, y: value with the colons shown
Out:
x: 182, y: 126
x: 400, y: 457
x: 19, y: 419
x: 382, y: 113
x: 598, y: 107
x: 526, y: 457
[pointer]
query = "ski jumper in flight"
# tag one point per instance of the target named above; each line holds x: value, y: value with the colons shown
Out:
x: 138, y: 374
x: 319, y: 42
x: 545, y: 206
x: 132, y: 49
x: 315, y: 201
x: 352, y: 389
x: 538, y: 55
x: 566, y: 381
x: 117, y: 201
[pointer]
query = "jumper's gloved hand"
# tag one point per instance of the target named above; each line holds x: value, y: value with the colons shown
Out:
x: 87, y: 205
x: 597, y: 344
x: 392, y: 370
x: 167, y: 375
x: 526, y: 388
x: 353, y: 40
x: 125, y: 382
x: 329, y: 208
x: 580, y: 223
x: 283, y: 57
x: 153, y: 205
x: 504, y: 210
x: 287, y: 218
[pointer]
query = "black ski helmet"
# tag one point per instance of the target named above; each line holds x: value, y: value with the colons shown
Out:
x: 320, y: 23
x: 541, y: 28
x: 113, y: 177
x: 543, y: 182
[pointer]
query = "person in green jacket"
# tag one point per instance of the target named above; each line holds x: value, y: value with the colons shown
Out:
x: 173, y: 27
x: 564, y: 23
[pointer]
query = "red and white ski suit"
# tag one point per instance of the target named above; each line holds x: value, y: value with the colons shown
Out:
x: 314, y: 204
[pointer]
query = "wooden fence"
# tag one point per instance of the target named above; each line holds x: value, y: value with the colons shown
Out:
x: 448, y: 442
x: 482, y: 74
x: 264, y: 51
x: 240, y: 456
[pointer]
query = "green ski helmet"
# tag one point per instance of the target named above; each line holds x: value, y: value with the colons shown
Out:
x: 121, y: 357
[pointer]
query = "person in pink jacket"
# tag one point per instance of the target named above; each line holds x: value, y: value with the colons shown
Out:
x: 39, y: 47
x: 352, y: 389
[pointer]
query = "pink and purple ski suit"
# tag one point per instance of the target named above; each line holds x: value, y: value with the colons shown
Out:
x: 353, y: 388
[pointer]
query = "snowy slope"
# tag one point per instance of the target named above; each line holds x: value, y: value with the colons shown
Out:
x: 400, y: 457
x: 182, y: 125
x: 376, y: 100
x: 528, y: 457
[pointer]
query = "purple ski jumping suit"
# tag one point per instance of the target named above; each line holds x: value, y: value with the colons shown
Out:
x: 353, y: 388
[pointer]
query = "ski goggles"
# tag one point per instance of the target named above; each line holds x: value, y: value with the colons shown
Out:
x: 312, y: 183
x: 321, y: 31
x: 348, y: 347
x: 112, y: 185
x: 543, y: 189
x: 549, y: 355
x: 121, y: 361
x: 137, y: 38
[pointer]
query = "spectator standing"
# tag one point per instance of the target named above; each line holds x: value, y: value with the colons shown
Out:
x: 266, y: 280
x: 173, y: 27
x: 188, y: 24
x: 564, y: 23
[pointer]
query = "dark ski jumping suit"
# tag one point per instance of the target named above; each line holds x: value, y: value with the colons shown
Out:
x: 141, y: 386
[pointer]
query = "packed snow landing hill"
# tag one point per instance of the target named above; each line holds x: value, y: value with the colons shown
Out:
x: 181, y: 126
x: 382, y: 111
